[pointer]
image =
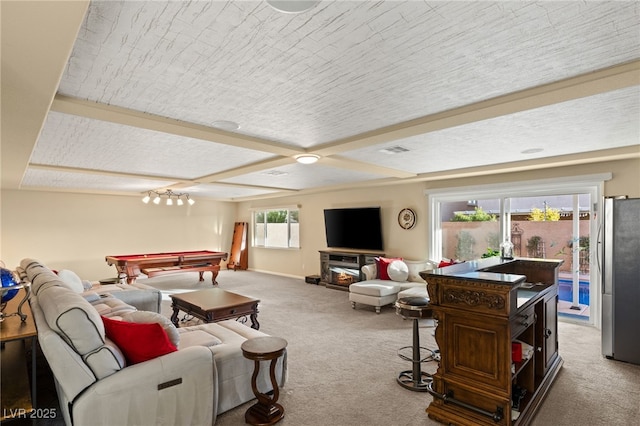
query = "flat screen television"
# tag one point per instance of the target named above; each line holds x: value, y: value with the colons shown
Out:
x: 354, y: 228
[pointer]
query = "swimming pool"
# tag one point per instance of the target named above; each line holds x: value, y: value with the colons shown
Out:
x: 565, y: 291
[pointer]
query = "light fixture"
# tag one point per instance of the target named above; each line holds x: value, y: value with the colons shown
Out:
x: 307, y: 158
x: 169, y: 195
x: 230, y: 126
x: 292, y: 6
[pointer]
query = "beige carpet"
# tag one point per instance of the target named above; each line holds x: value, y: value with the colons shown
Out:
x: 343, y: 363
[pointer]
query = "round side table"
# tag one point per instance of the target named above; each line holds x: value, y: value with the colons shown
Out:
x: 266, y: 411
x: 415, y: 308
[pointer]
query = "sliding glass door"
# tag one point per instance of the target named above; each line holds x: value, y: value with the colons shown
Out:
x: 470, y: 229
x: 542, y: 220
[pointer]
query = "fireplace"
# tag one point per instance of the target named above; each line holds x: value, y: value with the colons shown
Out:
x: 339, y: 269
x: 340, y: 275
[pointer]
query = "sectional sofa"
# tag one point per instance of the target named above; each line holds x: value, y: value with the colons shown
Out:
x: 184, y: 376
x: 387, y: 280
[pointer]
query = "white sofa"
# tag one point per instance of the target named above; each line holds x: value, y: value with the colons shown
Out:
x: 206, y: 375
x: 142, y: 296
x: 377, y: 292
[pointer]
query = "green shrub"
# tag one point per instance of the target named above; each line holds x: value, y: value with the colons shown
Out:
x: 478, y: 215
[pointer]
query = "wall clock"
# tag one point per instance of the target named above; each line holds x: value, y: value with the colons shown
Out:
x: 407, y: 218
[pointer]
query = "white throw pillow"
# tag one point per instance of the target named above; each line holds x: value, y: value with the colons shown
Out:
x: 398, y: 271
x: 72, y: 280
x: 415, y: 267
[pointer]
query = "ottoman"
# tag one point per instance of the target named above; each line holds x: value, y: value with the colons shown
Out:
x: 417, y: 291
x: 234, y: 371
x: 375, y: 294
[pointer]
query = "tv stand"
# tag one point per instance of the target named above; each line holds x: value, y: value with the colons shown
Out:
x: 339, y: 269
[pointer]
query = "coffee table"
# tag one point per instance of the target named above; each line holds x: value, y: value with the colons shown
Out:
x: 213, y: 305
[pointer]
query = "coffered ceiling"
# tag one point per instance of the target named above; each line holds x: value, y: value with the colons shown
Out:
x: 126, y: 97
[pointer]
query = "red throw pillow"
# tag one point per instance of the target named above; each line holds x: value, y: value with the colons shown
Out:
x: 138, y: 342
x: 382, y: 263
x: 448, y: 262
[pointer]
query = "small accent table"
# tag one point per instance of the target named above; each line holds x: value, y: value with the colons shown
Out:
x: 17, y: 400
x: 215, y: 304
x: 266, y: 411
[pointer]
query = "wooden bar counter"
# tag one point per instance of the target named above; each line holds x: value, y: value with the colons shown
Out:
x: 488, y: 312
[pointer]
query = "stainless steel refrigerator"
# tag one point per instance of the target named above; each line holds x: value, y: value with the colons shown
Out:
x: 620, y: 268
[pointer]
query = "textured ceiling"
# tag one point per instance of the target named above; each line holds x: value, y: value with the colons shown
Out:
x: 383, y: 91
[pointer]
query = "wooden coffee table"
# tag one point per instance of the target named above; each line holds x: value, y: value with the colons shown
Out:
x: 213, y: 305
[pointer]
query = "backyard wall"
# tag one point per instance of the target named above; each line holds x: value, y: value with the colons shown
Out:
x: 555, y: 240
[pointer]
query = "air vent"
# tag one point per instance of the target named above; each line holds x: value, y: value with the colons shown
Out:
x: 274, y: 173
x: 394, y: 150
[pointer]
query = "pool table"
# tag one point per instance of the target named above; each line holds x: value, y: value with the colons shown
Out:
x: 130, y: 266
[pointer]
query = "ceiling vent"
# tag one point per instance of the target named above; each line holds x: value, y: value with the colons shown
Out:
x: 274, y: 173
x: 394, y: 150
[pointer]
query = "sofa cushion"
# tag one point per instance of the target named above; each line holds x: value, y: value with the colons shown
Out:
x: 73, y: 318
x: 382, y: 264
x: 106, y: 360
x: 198, y: 336
x: 415, y: 291
x: 40, y: 276
x: 107, y: 305
x: 376, y: 288
x: 71, y: 280
x: 417, y: 266
x: 138, y: 342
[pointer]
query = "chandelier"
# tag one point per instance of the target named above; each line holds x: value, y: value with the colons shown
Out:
x: 169, y: 196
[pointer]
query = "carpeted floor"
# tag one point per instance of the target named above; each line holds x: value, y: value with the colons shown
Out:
x: 343, y: 363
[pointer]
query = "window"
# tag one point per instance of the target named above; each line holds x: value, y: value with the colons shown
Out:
x: 548, y: 218
x: 276, y: 228
x: 470, y: 228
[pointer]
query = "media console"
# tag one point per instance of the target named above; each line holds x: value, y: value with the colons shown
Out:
x: 497, y: 335
x: 339, y: 269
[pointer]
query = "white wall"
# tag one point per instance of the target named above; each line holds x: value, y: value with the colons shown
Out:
x: 410, y: 244
x: 76, y: 231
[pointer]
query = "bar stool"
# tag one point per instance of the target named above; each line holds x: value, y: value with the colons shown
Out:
x: 415, y: 308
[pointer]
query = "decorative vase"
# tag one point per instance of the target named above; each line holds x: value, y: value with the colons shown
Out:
x: 506, y: 250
